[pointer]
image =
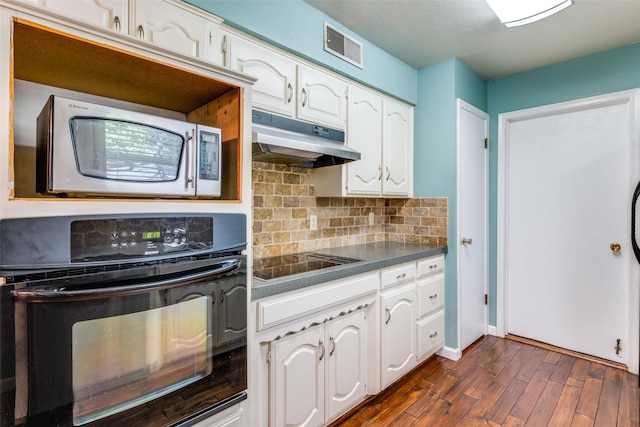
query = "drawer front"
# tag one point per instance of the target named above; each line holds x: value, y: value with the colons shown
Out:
x: 399, y: 274
x: 430, y: 295
x: 430, y: 335
x: 294, y: 305
x: 431, y: 265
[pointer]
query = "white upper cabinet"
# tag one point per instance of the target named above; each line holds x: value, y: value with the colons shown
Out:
x: 364, y: 134
x: 286, y: 87
x: 108, y: 14
x: 321, y: 97
x: 381, y: 129
x: 176, y: 28
x: 170, y: 24
x: 275, y: 88
x: 397, y: 149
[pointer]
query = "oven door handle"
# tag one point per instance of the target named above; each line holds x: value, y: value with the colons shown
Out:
x: 49, y: 294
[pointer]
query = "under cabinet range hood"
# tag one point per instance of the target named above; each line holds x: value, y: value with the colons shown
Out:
x: 282, y: 140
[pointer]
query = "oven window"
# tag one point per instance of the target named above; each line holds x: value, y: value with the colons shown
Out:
x: 125, y: 151
x: 123, y: 361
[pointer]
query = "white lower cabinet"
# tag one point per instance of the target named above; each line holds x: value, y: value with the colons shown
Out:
x: 398, y: 332
x: 318, y: 374
x: 328, y: 346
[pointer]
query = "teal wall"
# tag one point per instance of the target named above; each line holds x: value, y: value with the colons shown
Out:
x: 435, y: 155
x: 610, y: 71
x: 299, y: 28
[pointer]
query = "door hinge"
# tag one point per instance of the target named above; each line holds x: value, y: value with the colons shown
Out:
x: 486, y: 299
x: 486, y: 143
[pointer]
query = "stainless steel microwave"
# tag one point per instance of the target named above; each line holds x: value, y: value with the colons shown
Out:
x: 90, y: 149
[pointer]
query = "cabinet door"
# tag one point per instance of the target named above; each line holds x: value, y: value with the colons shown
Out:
x: 232, y: 308
x: 297, y: 379
x: 172, y: 27
x: 364, y: 134
x: 109, y: 14
x: 321, y: 98
x: 398, y: 353
x: 347, y: 362
x: 397, y: 145
x: 274, y: 90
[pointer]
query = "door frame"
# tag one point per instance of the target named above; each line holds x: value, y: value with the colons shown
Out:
x: 463, y: 105
x: 630, y: 97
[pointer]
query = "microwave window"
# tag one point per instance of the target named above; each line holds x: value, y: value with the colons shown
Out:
x: 123, y: 361
x: 209, y: 156
x: 125, y: 151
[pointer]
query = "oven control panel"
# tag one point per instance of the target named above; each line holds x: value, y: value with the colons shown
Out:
x: 122, y: 238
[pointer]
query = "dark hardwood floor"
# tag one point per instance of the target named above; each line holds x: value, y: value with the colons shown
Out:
x: 500, y: 382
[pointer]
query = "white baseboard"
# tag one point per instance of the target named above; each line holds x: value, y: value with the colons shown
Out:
x: 493, y: 330
x: 450, y: 353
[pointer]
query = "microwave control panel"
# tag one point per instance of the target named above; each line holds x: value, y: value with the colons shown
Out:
x: 123, y: 238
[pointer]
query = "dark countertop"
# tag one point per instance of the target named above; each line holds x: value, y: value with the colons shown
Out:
x: 374, y: 256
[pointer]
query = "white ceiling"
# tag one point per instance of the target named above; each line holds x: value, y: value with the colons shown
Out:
x: 425, y: 32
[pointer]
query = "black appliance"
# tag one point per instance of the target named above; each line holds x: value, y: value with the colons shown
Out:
x: 135, y: 320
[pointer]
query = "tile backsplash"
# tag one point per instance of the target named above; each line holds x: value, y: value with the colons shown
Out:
x: 284, y: 200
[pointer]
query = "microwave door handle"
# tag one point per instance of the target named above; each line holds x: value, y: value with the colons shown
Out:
x: 194, y: 156
x: 188, y: 177
x: 52, y: 294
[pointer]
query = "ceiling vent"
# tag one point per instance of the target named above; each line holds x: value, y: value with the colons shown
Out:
x: 342, y: 46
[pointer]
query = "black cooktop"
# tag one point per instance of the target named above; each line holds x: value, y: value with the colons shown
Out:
x: 285, y: 265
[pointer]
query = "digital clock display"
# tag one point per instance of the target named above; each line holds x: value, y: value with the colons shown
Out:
x: 150, y: 235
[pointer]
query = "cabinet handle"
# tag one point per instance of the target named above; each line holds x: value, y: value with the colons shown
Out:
x: 388, y: 174
x: 401, y: 276
x: 222, y: 294
x: 380, y: 170
x: 433, y: 335
x: 433, y: 296
x: 433, y: 266
x: 116, y: 22
x: 333, y: 346
x: 388, y: 316
x: 304, y: 97
x: 290, y: 93
x: 321, y: 344
x: 141, y: 31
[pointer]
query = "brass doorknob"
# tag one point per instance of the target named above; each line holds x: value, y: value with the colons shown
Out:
x: 615, y: 247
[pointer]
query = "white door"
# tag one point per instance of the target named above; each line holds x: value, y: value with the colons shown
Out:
x: 397, y: 127
x: 274, y: 90
x: 364, y: 134
x: 297, y: 379
x: 398, y: 335
x: 322, y: 98
x: 347, y: 362
x: 472, y: 223
x: 567, y: 186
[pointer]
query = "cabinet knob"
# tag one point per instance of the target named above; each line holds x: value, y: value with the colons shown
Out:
x: 615, y: 247
x: 466, y: 241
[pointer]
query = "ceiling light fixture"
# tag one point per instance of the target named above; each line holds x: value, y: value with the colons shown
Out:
x: 513, y: 13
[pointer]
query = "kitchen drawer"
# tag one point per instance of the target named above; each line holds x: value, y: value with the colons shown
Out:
x: 430, y: 335
x: 296, y: 304
x: 431, y: 265
x: 399, y: 274
x: 430, y: 294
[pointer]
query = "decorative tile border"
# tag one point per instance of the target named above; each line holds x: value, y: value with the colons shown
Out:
x: 284, y: 198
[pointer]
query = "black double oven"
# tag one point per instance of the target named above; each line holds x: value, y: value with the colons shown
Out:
x: 136, y: 320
